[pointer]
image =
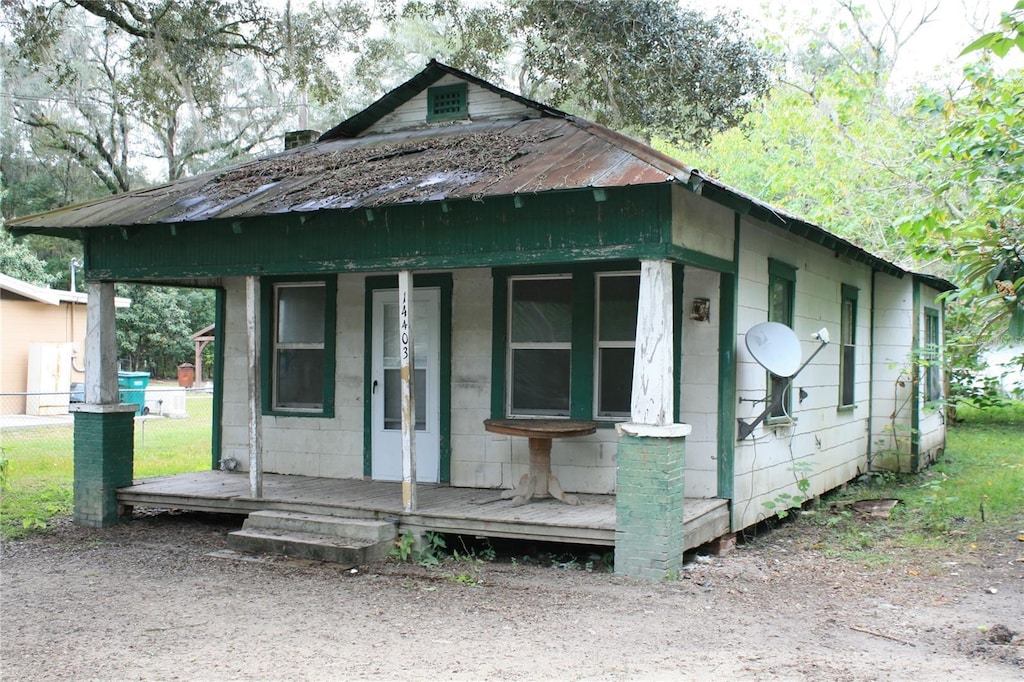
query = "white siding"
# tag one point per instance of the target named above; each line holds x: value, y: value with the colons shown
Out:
x: 482, y: 103
x: 892, y: 389
x: 701, y: 225
x: 698, y: 397
x: 830, y: 443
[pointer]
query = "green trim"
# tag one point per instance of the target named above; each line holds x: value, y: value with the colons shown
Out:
x: 447, y: 102
x: 848, y: 292
x: 678, y: 254
x: 499, y: 335
x: 871, y: 370
x: 781, y: 271
x: 267, y: 322
x: 915, y: 403
x: 444, y: 283
x: 584, y: 312
x: 728, y: 287
x: 217, y: 435
x: 581, y: 379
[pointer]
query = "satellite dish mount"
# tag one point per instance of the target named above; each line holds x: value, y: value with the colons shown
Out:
x: 776, y: 348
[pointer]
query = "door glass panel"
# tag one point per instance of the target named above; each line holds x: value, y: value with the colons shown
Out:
x: 393, y: 342
x: 393, y: 399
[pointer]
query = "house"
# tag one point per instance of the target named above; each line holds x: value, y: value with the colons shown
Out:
x: 549, y: 269
x: 42, y: 334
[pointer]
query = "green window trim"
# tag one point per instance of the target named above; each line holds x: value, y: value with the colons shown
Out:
x: 932, y: 355
x: 583, y: 353
x: 781, y: 280
x: 268, y: 324
x: 847, y: 347
x: 447, y: 102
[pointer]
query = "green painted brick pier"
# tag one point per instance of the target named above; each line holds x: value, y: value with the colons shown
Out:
x: 104, y: 459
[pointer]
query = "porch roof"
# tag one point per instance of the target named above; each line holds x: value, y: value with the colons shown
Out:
x: 351, y: 169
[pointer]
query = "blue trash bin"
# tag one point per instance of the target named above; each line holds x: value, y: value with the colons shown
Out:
x: 132, y: 389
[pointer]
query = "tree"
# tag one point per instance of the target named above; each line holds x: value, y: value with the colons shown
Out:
x: 17, y: 260
x: 646, y: 67
x: 976, y: 171
x: 153, y: 333
x: 830, y: 143
x: 192, y: 83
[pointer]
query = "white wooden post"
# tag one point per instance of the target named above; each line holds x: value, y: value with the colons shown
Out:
x: 252, y: 297
x: 101, y: 346
x: 408, y: 373
x: 653, y: 364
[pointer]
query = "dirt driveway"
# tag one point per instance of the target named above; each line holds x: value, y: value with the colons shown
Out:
x: 146, y: 601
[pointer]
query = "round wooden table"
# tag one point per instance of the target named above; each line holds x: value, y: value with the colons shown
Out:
x: 539, y: 482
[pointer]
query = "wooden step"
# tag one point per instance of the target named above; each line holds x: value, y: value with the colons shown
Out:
x: 309, y: 546
x: 322, y: 524
x: 319, y: 537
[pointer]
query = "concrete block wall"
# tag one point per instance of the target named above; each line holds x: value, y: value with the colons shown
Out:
x: 824, y: 442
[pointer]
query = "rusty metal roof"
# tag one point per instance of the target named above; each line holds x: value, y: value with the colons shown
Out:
x: 456, y: 161
x: 350, y: 169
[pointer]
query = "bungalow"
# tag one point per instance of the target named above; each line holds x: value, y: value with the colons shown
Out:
x: 463, y: 291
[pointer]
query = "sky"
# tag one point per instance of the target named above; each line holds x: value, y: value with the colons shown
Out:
x: 931, y: 54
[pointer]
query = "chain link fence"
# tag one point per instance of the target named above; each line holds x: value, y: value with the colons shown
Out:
x: 173, y: 429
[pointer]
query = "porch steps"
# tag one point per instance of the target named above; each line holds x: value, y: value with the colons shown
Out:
x: 314, y: 536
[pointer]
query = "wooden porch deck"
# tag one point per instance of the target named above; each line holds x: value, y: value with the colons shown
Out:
x: 466, y: 511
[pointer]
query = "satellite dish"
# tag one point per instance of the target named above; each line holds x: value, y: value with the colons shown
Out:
x: 775, y: 347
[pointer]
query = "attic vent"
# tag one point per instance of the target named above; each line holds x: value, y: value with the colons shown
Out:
x: 447, y: 103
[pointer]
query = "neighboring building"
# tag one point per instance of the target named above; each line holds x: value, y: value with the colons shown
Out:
x: 562, y: 271
x: 42, y: 334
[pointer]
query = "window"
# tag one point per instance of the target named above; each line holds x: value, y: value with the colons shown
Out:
x: 847, y: 345
x: 565, y: 344
x: 931, y: 357
x: 298, y: 375
x: 781, y: 295
x: 540, y: 345
x: 447, y: 102
x: 617, y: 298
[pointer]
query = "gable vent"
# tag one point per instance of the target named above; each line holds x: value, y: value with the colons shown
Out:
x: 447, y: 102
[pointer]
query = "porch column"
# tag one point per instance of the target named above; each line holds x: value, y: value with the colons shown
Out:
x: 252, y: 305
x: 650, y: 462
x: 104, y: 447
x: 408, y: 373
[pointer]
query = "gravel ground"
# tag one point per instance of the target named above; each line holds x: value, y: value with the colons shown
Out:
x: 148, y: 601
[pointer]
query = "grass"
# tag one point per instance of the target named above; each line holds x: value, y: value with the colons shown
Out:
x: 975, y: 488
x: 38, y: 464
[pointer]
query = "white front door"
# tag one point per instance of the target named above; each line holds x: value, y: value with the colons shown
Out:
x: 386, y: 386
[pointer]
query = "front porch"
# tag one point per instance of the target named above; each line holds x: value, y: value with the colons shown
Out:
x: 445, y: 509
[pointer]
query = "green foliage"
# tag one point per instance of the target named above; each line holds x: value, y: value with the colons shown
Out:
x: 17, y: 260
x: 427, y: 552
x: 975, y: 488
x: 37, y: 487
x: 976, y: 222
x: 153, y: 332
x: 648, y: 67
x: 1009, y: 36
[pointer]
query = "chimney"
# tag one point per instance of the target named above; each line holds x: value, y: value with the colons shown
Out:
x: 300, y: 138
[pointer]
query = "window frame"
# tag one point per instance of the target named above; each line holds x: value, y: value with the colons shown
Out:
x: 600, y: 344
x: 848, y: 347
x: 512, y: 346
x: 932, y: 353
x: 270, y: 346
x: 582, y: 375
x: 781, y: 272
